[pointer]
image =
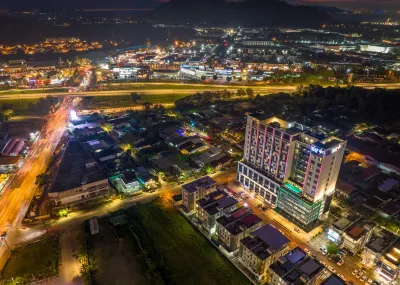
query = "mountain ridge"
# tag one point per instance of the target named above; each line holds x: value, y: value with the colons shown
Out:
x: 252, y: 13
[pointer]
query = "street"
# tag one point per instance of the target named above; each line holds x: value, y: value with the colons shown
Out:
x: 14, y: 202
x: 181, y: 88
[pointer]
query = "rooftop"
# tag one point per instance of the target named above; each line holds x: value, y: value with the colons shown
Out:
x: 296, y: 267
x: 333, y: 280
x: 73, y: 171
x: 264, y: 241
x: 201, y: 183
x: 342, y: 223
x: 239, y: 221
x: 356, y: 232
x: 216, y: 202
x: 381, y: 241
x: 393, y: 254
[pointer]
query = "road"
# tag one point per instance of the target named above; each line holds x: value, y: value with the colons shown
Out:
x: 181, y: 88
x: 14, y: 202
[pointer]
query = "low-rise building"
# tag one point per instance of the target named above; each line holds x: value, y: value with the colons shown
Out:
x: 78, y: 179
x: 379, y: 243
x: 355, y: 237
x: 262, y: 248
x: 296, y: 267
x: 333, y: 279
x: 233, y: 227
x: 388, y: 268
x: 196, y: 190
x: 213, y: 206
x: 10, y: 164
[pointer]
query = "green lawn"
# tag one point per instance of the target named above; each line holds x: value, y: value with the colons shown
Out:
x: 182, y: 255
x: 115, y: 101
x: 33, y: 91
x: 20, y: 106
x: 39, y: 260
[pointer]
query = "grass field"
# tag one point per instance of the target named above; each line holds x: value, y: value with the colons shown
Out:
x: 33, y: 91
x: 116, y: 101
x: 182, y: 255
x: 40, y: 260
x: 20, y: 106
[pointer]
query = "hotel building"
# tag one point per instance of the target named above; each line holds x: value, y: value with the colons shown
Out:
x: 290, y: 166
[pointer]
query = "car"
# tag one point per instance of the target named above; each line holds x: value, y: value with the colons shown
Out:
x: 340, y: 262
x: 341, y: 276
x: 331, y: 269
x: 323, y: 263
x: 355, y: 271
x: 3, y: 235
x: 307, y: 250
x: 324, y: 253
x: 369, y: 281
x: 363, y: 278
x: 359, y: 274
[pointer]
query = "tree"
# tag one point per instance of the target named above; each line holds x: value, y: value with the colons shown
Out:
x: 135, y: 97
x: 240, y: 92
x: 203, y: 78
x: 147, y: 106
x: 332, y: 248
x: 41, y: 179
x: 6, y: 115
x: 240, y: 79
x: 250, y: 92
x: 215, y: 77
x: 106, y: 127
x: 228, y: 79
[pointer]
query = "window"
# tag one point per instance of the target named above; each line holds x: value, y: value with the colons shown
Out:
x: 312, y: 161
x: 319, y: 164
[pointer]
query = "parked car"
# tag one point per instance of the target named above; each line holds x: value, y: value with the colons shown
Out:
x: 307, y: 250
x: 355, y: 272
x: 363, y: 278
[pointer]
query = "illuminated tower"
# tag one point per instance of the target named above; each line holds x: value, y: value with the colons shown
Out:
x: 291, y: 167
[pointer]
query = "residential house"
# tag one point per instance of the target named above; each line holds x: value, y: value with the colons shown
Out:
x: 262, y: 248
x: 196, y: 190
x: 295, y: 268
x: 233, y: 227
x: 213, y: 206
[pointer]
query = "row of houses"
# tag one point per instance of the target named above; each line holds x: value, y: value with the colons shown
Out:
x: 262, y: 250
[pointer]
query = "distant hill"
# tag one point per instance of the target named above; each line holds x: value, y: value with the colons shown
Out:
x: 252, y: 13
x: 327, y: 9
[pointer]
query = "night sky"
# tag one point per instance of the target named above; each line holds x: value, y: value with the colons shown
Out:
x: 140, y: 4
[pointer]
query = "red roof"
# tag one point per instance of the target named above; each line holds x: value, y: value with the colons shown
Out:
x: 251, y: 220
x: 239, y: 213
x: 345, y: 187
x: 370, y: 171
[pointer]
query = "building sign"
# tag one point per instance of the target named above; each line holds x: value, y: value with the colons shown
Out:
x: 333, y: 236
x: 336, y: 148
x: 317, y: 150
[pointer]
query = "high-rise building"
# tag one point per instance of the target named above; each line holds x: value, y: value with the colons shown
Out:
x: 290, y: 166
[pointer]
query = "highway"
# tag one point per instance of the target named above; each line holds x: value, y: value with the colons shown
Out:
x: 14, y: 202
x: 181, y: 88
